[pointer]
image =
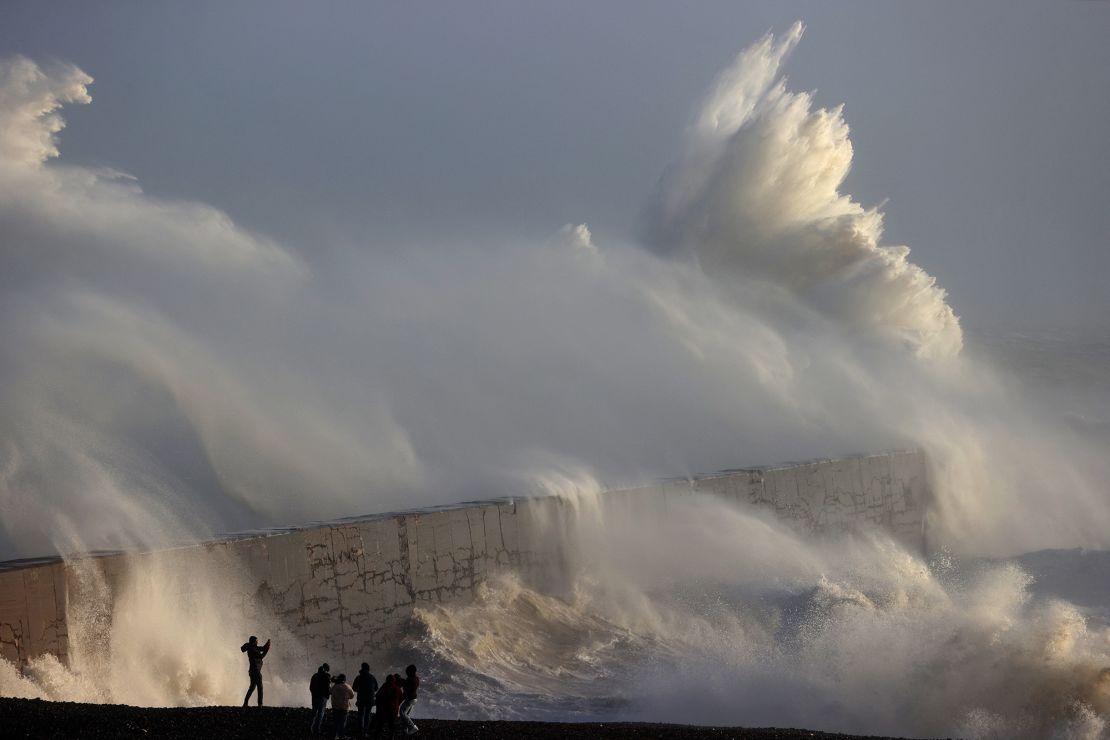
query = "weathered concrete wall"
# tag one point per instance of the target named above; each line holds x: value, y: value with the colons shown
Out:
x: 888, y: 490
x: 344, y: 586
x: 32, y: 612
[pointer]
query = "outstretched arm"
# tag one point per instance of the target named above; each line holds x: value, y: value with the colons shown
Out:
x: 266, y: 647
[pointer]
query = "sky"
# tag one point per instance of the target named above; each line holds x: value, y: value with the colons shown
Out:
x: 980, y: 125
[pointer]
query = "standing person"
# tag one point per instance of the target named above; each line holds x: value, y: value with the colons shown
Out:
x: 341, y: 696
x: 320, y: 689
x: 388, y: 701
x: 366, y: 688
x: 411, y: 684
x: 255, y: 654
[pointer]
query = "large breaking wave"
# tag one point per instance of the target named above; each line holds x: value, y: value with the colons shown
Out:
x: 167, y: 374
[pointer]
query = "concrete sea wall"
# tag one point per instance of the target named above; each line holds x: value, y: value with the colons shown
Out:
x: 343, y: 587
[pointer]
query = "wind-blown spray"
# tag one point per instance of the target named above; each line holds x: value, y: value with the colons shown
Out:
x: 167, y: 374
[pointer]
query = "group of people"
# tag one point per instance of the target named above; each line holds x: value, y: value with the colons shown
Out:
x: 379, y: 706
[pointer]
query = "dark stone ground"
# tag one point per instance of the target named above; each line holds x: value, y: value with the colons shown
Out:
x: 33, y: 718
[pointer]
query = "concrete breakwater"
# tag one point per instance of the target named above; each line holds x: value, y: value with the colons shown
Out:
x: 342, y: 587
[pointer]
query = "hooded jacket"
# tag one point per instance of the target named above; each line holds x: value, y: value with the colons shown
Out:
x: 320, y: 685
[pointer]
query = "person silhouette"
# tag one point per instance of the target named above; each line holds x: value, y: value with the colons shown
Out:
x: 409, y: 687
x: 255, y: 654
x: 320, y: 689
x: 365, y: 688
x: 388, y: 701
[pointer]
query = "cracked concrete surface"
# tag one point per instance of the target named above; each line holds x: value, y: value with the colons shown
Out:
x: 346, y: 588
x: 32, y: 612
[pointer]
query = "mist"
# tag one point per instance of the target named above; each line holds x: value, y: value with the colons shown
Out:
x: 168, y: 374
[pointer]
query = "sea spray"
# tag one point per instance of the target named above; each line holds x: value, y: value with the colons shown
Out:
x: 162, y: 629
x: 757, y: 192
x: 168, y: 374
x: 709, y: 613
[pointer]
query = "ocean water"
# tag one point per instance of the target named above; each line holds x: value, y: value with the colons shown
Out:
x: 717, y: 615
x: 854, y: 636
x: 168, y: 376
x: 865, y: 638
